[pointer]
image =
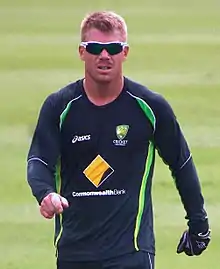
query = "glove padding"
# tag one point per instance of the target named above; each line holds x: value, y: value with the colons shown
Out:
x: 193, y: 244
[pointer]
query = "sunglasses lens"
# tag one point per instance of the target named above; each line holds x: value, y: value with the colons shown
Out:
x: 94, y: 48
x: 97, y: 48
x: 114, y: 48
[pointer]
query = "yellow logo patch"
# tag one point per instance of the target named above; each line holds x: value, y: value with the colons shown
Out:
x: 98, y: 171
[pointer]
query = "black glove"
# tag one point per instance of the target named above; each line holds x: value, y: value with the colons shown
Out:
x: 193, y: 244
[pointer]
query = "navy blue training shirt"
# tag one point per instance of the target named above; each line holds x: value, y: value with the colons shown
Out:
x: 101, y: 159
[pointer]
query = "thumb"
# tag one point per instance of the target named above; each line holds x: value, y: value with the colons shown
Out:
x: 182, y: 243
x: 64, y: 202
x: 56, y: 202
x: 180, y: 247
x: 59, y: 202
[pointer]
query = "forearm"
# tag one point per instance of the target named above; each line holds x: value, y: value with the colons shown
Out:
x: 188, y: 185
x: 40, y: 179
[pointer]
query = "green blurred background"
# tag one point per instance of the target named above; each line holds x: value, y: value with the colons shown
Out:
x: 174, y: 50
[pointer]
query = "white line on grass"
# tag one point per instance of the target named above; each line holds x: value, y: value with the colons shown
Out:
x: 166, y: 214
x: 131, y: 10
x: 20, y: 213
x: 212, y: 38
x: 51, y: 77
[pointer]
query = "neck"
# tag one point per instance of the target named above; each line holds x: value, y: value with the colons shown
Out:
x: 103, y: 93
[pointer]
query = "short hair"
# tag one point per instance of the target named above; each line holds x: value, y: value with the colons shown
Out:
x: 104, y: 21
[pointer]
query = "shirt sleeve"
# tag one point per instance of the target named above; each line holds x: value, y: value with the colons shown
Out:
x: 44, y: 150
x: 173, y: 149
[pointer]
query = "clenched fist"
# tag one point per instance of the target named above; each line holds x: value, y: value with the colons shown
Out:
x: 53, y: 204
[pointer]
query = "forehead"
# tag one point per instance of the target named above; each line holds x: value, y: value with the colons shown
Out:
x: 97, y: 35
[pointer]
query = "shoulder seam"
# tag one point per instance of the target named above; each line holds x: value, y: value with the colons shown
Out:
x: 153, y: 122
x: 66, y: 109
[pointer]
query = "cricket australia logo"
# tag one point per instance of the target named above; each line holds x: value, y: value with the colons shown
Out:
x: 121, y: 132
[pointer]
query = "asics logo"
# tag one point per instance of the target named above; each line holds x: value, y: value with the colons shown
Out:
x: 81, y: 138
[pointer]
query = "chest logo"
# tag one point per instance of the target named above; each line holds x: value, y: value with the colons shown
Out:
x: 98, y: 171
x: 121, y: 132
x: 81, y: 138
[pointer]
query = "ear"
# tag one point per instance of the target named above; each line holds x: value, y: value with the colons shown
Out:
x: 81, y: 53
x: 125, y: 53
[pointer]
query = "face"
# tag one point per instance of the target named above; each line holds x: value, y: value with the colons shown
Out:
x: 103, y: 67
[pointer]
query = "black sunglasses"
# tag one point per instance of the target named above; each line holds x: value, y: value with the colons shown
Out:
x: 96, y: 48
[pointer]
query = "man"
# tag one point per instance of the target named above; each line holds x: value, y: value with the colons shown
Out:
x: 92, y: 156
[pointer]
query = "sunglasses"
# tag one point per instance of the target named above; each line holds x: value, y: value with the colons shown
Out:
x: 96, y: 48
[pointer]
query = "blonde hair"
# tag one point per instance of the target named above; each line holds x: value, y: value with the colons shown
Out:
x: 104, y: 21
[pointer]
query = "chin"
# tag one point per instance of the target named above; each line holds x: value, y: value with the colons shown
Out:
x: 104, y: 79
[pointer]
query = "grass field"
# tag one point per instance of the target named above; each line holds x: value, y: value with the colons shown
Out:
x: 175, y: 50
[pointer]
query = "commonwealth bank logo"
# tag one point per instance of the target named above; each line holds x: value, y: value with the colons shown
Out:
x: 98, y: 171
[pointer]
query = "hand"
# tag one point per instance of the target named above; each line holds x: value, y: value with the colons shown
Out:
x: 193, y: 244
x: 53, y: 204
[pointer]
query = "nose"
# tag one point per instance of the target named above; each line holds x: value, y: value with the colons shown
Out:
x: 104, y: 54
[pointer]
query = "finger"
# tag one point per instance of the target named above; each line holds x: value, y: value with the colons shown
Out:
x: 188, y: 252
x: 45, y: 214
x: 182, y: 243
x: 180, y: 248
x: 56, y: 202
x: 64, y: 202
x: 197, y: 253
x: 47, y: 204
x: 189, y: 246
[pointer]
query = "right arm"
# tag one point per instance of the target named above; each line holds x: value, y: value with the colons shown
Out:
x: 44, y: 151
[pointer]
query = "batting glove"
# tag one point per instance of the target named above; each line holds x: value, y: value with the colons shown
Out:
x: 193, y: 244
